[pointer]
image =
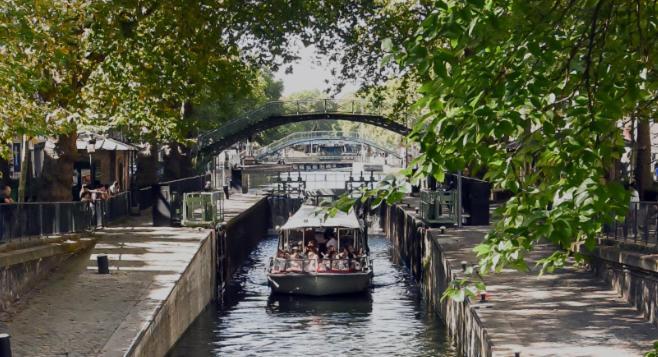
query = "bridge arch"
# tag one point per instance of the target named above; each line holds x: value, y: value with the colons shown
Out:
x: 315, y: 136
x: 277, y: 113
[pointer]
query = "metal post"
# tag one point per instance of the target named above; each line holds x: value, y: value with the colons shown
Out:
x: 41, y: 219
x: 459, y: 199
x: 5, y: 346
x: 103, y: 264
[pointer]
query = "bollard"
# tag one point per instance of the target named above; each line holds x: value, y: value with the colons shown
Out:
x: 483, y: 297
x: 5, y: 347
x: 103, y: 264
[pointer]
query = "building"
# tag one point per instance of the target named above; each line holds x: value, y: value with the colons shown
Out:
x: 100, y: 160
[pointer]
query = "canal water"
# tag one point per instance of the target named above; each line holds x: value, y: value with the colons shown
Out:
x: 390, y: 320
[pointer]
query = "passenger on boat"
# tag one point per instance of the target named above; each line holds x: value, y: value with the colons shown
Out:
x: 332, y: 242
x: 321, y: 239
x: 295, y: 262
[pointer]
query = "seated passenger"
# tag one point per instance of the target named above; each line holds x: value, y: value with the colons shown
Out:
x: 332, y: 242
x: 331, y: 253
x: 311, y: 244
x: 295, y: 262
x: 321, y: 240
x: 311, y: 251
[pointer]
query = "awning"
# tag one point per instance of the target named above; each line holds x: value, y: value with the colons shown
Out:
x: 102, y: 143
x: 306, y: 217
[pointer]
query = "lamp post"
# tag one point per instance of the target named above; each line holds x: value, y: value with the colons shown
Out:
x: 91, y: 148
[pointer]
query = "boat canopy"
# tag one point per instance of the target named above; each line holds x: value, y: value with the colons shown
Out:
x: 306, y: 217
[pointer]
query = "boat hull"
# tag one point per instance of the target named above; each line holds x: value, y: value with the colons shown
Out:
x: 320, y: 284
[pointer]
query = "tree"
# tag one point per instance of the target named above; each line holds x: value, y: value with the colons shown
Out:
x: 536, y: 94
x: 140, y: 66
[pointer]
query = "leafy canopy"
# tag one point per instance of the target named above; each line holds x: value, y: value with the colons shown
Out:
x: 136, y: 65
x: 534, y: 94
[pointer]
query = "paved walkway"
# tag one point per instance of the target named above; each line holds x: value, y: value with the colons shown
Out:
x: 568, y: 313
x: 75, y: 312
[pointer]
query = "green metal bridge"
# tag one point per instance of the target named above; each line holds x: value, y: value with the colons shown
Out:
x: 324, y: 136
x: 278, y: 113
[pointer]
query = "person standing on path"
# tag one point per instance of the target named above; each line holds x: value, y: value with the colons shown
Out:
x: 5, y: 194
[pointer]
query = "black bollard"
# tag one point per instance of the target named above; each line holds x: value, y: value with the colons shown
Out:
x: 103, y: 264
x: 5, y: 346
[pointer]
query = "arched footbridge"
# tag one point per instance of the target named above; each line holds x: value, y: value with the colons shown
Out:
x: 273, y: 114
x: 306, y: 137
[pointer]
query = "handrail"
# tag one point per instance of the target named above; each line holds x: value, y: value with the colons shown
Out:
x: 181, y: 180
x: 284, y: 108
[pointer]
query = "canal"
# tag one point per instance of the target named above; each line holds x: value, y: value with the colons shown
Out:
x: 390, y: 320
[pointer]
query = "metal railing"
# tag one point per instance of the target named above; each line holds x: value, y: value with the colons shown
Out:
x: 640, y: 225
x: 36, y: 219
x: 112, y: 209
x: 168, y: 207
x: 145, y: 197
x: 318, y: 265
x: 439, y: 207
x: 322, y: 159
x: 323, y: 135
x: 283, y: 108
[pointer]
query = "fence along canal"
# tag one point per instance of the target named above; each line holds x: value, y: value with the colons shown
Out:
x: 35, y: 219
x: 30, y: 219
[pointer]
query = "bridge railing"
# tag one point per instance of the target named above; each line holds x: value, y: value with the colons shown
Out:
x: 299, y: 137
x: 282, y: 108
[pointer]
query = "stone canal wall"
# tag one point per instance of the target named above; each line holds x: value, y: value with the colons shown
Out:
x: 248, y: 219
x: 631, y: 271
x: 242, y: 233
x: 22, y: 265
x: 421, y: 252
x: 193, y: 291
x: 571, y: 312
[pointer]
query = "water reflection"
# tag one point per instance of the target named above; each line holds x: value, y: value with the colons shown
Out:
x: 390, y: 320
x: 353, y: 304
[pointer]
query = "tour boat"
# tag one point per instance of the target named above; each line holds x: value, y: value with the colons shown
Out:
x: 298, y: 268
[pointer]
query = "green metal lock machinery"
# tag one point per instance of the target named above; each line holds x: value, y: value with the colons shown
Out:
x: 439, y: 207
x: 203, y: 209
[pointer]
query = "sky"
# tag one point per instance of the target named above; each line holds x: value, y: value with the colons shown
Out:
x: 308, y: 74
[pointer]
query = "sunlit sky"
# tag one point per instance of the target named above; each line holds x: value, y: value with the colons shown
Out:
x: 308, y: 74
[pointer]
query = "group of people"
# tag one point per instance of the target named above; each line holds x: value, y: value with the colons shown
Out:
x: 101, y: 192
x: 320, y: 255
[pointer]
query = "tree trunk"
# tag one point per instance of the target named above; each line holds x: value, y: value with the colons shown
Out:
x: 57, y: 177
x: 4, y: 172
x: 25, y: 166
x: 147, y: 166
x: 643, y: 173
x: 177, y: 162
